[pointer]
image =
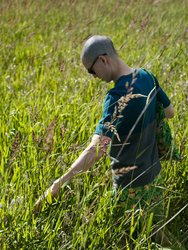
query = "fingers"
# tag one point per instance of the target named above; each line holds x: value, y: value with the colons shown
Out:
x: 50, y: 193
x: 54, y: 190
x: 41, y: 199
x: 38, y: 205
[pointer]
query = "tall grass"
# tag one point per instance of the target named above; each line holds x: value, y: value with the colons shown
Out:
x: 50, y: 107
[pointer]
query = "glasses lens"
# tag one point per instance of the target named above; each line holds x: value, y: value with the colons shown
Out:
x: 90, y: 70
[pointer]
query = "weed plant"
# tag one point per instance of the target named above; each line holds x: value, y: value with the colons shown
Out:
x: 50, y: 107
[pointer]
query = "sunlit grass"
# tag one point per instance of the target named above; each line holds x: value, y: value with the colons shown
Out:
x: 50, y: 107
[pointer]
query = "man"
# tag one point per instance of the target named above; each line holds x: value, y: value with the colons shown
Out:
x: 128, y: 122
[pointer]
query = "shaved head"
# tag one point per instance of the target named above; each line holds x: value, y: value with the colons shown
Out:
x: 95, y: 46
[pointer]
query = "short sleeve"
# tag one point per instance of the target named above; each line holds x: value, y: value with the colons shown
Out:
x: 163, y: 98
x: 108, y: 110
x: 161, y: 95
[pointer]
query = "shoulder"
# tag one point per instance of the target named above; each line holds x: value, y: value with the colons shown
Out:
x: 148, y: 74
x: 112, y: 96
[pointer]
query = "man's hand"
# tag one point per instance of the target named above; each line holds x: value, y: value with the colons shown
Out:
x: 55, y: 188
x: 41, y: 199
x: 51, y: 192
x: 38, y: 205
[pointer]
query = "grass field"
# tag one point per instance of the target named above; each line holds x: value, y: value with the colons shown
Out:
x: 50, y: 107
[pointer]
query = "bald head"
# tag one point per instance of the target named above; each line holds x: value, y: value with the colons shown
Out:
x: 95, y: 46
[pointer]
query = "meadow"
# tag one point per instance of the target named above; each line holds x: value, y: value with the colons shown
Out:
x: 50, y: 107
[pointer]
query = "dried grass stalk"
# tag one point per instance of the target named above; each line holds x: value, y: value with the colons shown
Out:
x: 15, y: 148
x: 49, y: 140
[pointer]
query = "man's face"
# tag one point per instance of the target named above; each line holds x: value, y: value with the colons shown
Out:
x: 101, y: 68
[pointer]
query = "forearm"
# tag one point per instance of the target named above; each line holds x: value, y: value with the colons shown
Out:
x: 87, y: 158
x: 96, y: 149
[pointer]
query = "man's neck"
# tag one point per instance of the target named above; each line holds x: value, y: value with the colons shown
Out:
x: 121, y: 69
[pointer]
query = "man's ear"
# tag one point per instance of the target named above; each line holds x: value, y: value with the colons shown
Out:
x: 103, y: 58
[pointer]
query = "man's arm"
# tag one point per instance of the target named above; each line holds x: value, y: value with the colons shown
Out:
x: 169, y: 111
x: 96, y: 149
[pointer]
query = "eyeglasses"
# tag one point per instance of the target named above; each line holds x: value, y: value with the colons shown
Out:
x: 90, y: 70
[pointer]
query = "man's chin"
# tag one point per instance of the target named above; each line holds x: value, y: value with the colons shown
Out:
x: 105, y: 80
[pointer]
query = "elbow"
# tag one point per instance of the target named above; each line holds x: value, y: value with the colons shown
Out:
x: 170, y: 115
x: 169, y: 112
